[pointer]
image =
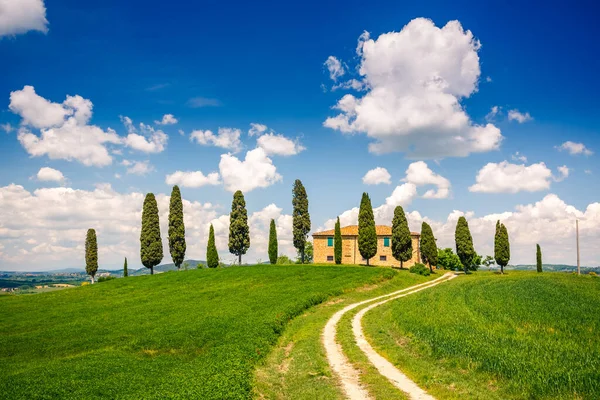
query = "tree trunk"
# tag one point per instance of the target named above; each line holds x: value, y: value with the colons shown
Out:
x: 367, y: 262
x: 92, y: 276
x: 152, y: 270
x: 401, y: 264
x: 502, y: 269
x: 240, y: 259
x: 430, y: 267
x: 302, y: 255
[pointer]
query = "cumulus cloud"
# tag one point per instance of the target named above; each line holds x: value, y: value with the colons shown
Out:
x: 416, y: 79
x: 167, y: 119
x: 563, y: 173
x: 64, y: 130
x: 516, y: 115
x: 47, y: 174
x: 574, y: 148
x: 7, y: 127
x: 256, y: 129
x: 21, y: 16
x: 274, y: 144
x: 255, y: 171
x: 146, y: 139
x: 138, y: 167
x: 419, y: 174
x: 192, y: 179
x: 226, y: 138
x: 335, y: 68
x: 376, y: 176
x: 505, y: 177
x: 519, y: 157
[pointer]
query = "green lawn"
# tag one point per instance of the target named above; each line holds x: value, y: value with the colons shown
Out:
x: 192, y: 334
x: 486, y: 336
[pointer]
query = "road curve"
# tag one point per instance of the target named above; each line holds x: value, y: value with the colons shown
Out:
x: 348, y: 375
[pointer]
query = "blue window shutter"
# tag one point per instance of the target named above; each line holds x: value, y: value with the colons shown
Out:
x: 330, y: 242
x: 386, y: 242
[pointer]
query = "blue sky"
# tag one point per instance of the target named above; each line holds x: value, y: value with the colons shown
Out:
x: 218, y: 65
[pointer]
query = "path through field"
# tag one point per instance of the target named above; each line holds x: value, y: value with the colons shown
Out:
x: 350, y: 376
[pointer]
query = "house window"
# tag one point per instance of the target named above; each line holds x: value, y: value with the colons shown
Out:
x: 382, y: 258
x: 329, y: 258
x: 386, y: 242
x: 329, y: 242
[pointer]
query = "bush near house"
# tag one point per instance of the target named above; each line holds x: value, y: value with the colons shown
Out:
x: 420, y: 269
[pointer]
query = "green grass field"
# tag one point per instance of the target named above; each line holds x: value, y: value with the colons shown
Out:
x: 486, y: 336
x: 192, y: 334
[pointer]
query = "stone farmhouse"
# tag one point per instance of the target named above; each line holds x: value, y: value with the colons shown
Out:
x: 323, y: 247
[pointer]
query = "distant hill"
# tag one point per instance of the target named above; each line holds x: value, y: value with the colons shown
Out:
x: 161, y: 268
x: 554, y: 267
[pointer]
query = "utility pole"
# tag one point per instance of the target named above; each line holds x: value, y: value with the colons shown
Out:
x: 577, y: 234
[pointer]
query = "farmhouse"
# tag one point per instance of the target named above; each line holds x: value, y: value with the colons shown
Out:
x: 323, y: 247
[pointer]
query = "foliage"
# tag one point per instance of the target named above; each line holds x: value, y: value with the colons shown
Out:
x: 337, y: 242
x: 488, y: 261
x: 448, y: 260
x: 173, y: 336
x: 420, y: 269
x: 367, y: 235
x: 464, y: 243
x: 185, y: 265
x: 125, y: 272
x: 401, y: 239
x: 177, y: 244
x: 91, y: 253
x: 429, y: 251
x: 301, y: 217
x: 239, y: 232
x: 535, y: 336
x: 501, y: 246
x: 151, y: 249
x: 475, y: 263
x: 273, y: 243
x: 212, y: 255
x: 284, y: 260
x: 538, y: 258
x: 106, y: 278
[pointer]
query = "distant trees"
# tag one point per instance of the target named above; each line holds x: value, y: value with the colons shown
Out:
x: 448, y: 260
x: 501, y: 246
x: 337, y: 242
x: 212, y: 255
x: 464, y: 243
x: 402, y: 249
x: 367, y: 235
x: 91, y: 254
x: 125, y: 273
x: 538, y: 257
x: 301, y: 217
x: 429, y: 252
x: 151, y: 250
x: 284, y: 260
x: 488, y: 261
x: 239, y: 232
x: 177, y: 244
x: 308, y: 254
x: 273, y: 242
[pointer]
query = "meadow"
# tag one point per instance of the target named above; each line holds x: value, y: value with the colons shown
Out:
x: 487, y: 336
x: 189, y: 334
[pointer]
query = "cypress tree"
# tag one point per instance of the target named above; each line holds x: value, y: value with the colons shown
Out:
x: 401, y: 240
x: 177, y: 245
x: 367, y: 235
x: 239, y: 232
x: 91, y: 254
x: 429, y: 252
x: 125, y: 272
x: 501, y: 246
x: 301, y: 217
x: 212, y: 255
x: 151, y: 249
x: 464, y: 243
x: 337, y: 242
x: 273, y: 243
x: 538, y: 256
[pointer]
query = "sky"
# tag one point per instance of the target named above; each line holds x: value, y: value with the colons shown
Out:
x: 487, y: 110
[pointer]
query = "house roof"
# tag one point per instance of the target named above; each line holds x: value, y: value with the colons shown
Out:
x: 352, y: 230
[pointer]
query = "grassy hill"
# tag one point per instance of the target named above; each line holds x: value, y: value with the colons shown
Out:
x: 487, y: 336
x: 190, y: 334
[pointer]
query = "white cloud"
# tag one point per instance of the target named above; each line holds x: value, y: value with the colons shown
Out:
x: 138, y: 167
x: 256, y: 171
x: 494, y: 112
x: 274, y: 144
x: 64, y: 129
x: 192, y: 179
x: 148, y: 140
x: 416, y: 79
x: 21, y: 16
x: 256, y: 129
x: 226, y: 138
x: 419, y: 174
x: 519, y: 157
x: 574, y: 148
x: 199, y: 102
x: 335, y: 68
x: 353, y: 84
x: 7, y: 127
x: 167, y: 119
x: 563, y: 173
x: 512, y: 178
x: 181, y: 132
x: 588, y: 171
x: 376, y: 176
x: 47, y: 174
x: 488, y: 79
x: 515, y: 115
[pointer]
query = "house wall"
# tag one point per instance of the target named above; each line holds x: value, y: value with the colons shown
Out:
x: 351, y: 255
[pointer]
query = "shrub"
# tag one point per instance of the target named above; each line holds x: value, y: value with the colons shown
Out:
x: 592, y: 273
x: 106, y: 278
x: 420, y: 269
